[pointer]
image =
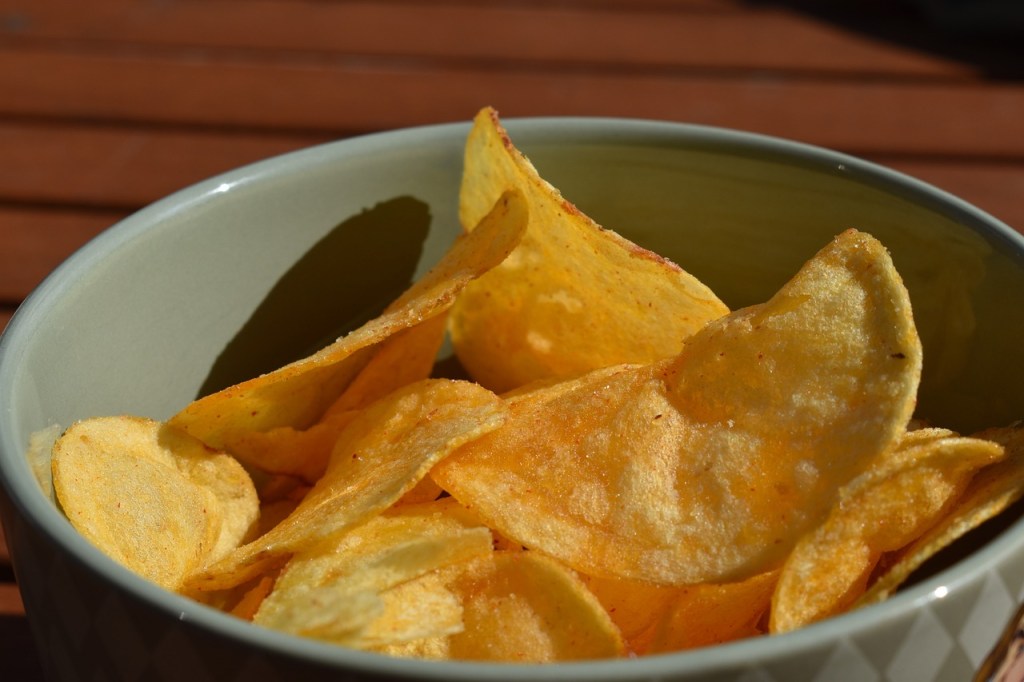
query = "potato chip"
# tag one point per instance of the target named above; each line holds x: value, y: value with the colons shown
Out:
x: 427, y: 490
x: 572, y: 297
x: 151, y: 497
x: 353, y: 589
x: 517, y: 607
x: 298, y: 394
x: 989, y: 492
x: 401, y: 359
x: 251, y: 599
x: 435, y: 648
x: 634, y: 606
x: 881, y: 510
x: 286, y: 451
x: 707, y: 614
x: 708, y: 466
x: 382, y: 455
x: 424, y: 608
x: 522, y: 607
x: 654, y: 618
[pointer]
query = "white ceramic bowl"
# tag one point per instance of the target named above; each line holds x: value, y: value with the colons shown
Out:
x: 263, y: 264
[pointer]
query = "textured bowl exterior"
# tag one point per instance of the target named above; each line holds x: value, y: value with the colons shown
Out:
x: 141, y: 318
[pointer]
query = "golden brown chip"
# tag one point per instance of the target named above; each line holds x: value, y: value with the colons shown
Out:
x: 572, y: 297
x: 246, y: 607
x: 401, y: 359
x: 881, y: 510
x: 425, y: 491
x: 635, y: 607
x: 989, y: 492
x: 657, y: 619
x: 382, y: 455
x: 151, y: 497
x: 517, y: 607
x: 298, y: 394
x: 703, y: 615
x: 285, y: 451
x: 708, y: 466
x: 523, y: 607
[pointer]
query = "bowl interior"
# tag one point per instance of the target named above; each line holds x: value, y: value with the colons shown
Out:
x: 249, y: 270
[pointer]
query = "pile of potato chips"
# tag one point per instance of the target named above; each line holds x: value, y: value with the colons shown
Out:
x: 632, y: 469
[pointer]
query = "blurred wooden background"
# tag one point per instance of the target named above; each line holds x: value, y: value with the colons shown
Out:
x: 107, y: 105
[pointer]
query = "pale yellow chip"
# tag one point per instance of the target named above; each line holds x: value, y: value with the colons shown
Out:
x: 708, y: 466
x: 572, y: 297
x: 298, y: 394
x: 151, y: 497
x: 386, y: 451
x: 353, y: 589
x: 422, y: 609
x: 881, y: 510
x: 989, y: 492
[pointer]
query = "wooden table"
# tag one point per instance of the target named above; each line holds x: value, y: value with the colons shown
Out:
x: 107, y: 105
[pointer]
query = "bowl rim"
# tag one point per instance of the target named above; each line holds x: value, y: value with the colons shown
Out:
x: 33, y: 508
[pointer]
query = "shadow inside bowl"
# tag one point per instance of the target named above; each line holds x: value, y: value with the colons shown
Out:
x: 372, y: 255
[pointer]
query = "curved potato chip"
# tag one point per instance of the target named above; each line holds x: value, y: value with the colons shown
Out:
x: 573, y: 296
x: 401, y: 359
x: 708, y: 466
x: 435, y: 648
x: 424, y: 608
x: 352, y: 589
x: 707, y: 614
x: 286, y: 451
x: 881, y: 510
x: 383, y: 454
x: 989, y: 492
x: 522, y: 607
x: 634, y: 606
x: 427, y: 490
x: 151, y: 497
x: 298, y: 394
x: 249, y: 602
x: 655, y: 618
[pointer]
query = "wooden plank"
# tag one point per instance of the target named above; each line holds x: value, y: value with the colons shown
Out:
x: 5, y: 556
x: 618, y: 36
x: 122, y: 167
x: 36, y: 240
x: 6, y: 310
x: 10, y: 600
x: 634, y: 5
x: 331, y: 97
